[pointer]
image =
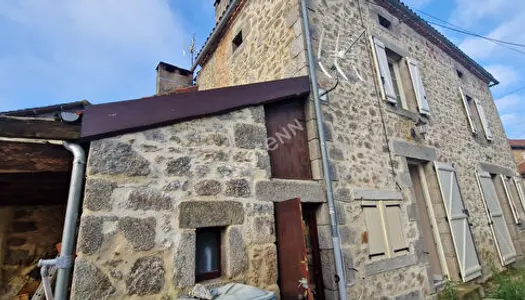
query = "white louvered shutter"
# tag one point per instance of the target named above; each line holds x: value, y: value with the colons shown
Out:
x: 467, y: 111
x: 499, y: 228
x: 387, y: 85
x: 519, y: 188
x: 511, y: 197
x: 377, y: 248
x: 396, y: 240
x: 419, y: 90
x: 484, y: 120
x: 458, y: 221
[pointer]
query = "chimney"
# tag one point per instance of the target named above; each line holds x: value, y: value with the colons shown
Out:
x: 170, y: 78
x: 220, y: 8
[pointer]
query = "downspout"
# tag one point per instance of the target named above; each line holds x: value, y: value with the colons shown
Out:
x: 64, y: 262
x: 70, y: 222
x: 340, y: 273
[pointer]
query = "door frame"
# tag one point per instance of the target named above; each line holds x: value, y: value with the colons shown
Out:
x: 431, y: 215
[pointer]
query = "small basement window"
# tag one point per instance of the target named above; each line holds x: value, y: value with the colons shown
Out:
x: 237, y: 41
x: 384, y: 22
x: 208, y: 253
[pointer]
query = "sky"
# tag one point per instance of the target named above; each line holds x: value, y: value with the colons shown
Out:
x: 104, y: 50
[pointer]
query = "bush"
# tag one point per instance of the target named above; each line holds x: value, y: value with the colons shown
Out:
x: 509, y: 285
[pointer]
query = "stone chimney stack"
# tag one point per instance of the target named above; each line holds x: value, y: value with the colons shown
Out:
x: 220, y: 8
x: 170, y: 78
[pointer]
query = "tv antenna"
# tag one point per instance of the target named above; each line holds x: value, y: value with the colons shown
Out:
x: 190, y: 49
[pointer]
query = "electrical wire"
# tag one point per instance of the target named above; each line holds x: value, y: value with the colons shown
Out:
x: 465, y: 31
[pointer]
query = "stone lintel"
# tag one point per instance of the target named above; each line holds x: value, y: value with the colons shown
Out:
x: 495, y: 169
x: 277, y: 190
x: 198, y: 214
x: 409, y: 150
x: 370, y: 194
x: 390, y: 264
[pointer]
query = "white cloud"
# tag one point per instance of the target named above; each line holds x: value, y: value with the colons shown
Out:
x: 508, y: 102
x: 506, y: 75
x: 75, y: 49
x: 509, y: 29
x: 468, y: 12
x: 509, y: 119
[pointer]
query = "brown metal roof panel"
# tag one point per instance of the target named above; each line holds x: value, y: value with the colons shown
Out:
x: 116, y: 118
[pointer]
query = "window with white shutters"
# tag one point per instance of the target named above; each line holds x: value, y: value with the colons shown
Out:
x: 518, y: 183
x: 484, y: 121
x: 419, y: 90
x: 468, y: 112
x: 457, y: 216
x: 381, y: 61
x: 384, y: 228
x: 497, y: 222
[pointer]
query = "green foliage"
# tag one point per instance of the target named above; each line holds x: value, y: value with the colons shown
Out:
x: 449, y: 292
x: 509, y: 285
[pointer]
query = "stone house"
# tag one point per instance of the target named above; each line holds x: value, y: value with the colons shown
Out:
x: 384, y: 179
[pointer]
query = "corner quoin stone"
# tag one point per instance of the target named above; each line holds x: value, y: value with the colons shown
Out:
x: 107, y: 157
x: 90, y: 237
x: 90, y: 283
x: 198, y: 214
x: 140, y: 233
x: 98, y: 194
x: 146, y: 276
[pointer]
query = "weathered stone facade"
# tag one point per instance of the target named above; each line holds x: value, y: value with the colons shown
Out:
x: 147, y: 193
x: 362, y: 129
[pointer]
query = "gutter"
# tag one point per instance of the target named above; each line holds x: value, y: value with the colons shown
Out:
x: 64, y: 262
x: 216, y: 34
x: 340, y: 273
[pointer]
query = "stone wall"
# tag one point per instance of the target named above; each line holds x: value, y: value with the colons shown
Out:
x: 146, y: 193
x: 27, y: 234
x: 272, y: 48
x: 364, y: 129
x: 361, y: 130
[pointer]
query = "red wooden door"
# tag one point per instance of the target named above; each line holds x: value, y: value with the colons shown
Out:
x: 291, y: 248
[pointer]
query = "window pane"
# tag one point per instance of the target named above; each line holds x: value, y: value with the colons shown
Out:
x: 207, y: 252
x: 393, y: 75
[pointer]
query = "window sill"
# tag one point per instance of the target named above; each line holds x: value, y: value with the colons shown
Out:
x: 404, y: 113
x: 390, y: 264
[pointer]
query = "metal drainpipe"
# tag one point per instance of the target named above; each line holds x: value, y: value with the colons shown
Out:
x: 70, y: 222
x: 341, y: 284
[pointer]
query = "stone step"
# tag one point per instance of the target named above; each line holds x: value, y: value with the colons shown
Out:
x: 470, y: 291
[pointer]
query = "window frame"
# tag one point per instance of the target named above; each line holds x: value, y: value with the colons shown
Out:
x: 397, y: 80
x: 389, y: 253
x: 216, y: 273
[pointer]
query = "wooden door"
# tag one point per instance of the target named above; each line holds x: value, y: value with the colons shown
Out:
x: 288, y: 140
x: 291, y: 248
x: 457, y: 215
x: 313, y: 252
x: 428, y: 232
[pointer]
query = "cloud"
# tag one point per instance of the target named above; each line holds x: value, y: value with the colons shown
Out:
x: 468, y: 12
x: 66, y: 50
x: 506, y: 75
x: 510, y: 28
x: 507, y: 102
